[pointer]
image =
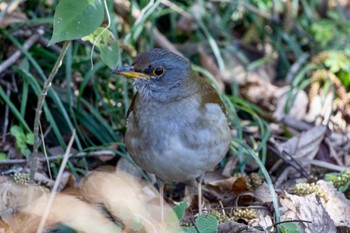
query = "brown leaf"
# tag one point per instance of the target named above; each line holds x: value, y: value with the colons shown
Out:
x: 240, y: 185
x: 229, y: 186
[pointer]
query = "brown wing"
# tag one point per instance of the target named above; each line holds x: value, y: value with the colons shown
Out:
x: 209, y: 94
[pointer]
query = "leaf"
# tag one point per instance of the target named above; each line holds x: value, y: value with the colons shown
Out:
x: 109, y: 54
x: 289, y: 227
x: 344, y: 187
x: 344, y: 77
x: 30, y: 139
x: 75, y: 19
x: 323, y: 31
x: 180, y: 209
x: 3, y: 156
x: 337, y: 61
x: 205, y: 223
x: 109, y: 47
x: 16, y: 131
x: 25, y: 152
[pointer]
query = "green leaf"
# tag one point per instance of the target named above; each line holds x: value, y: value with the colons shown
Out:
x: 25, y: 152
x: 75, y: 19
x: 3, y: 156
x: 180, y: 209
x: 21, y: 141
x: 16, y: 131
x: 331, y: 176
x: 289, y: 227
x: 109, y: 47
x: 345, y: 187
x: 30, y: 139
x: 344, y: 78
x: 337, y: 61
x: 109, y: 54
x: 205, y: 223
x: 323, y: 31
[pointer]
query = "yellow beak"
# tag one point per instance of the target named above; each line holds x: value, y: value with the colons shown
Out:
x: 129, y: 72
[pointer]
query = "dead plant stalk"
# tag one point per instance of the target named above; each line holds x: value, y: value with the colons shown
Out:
x: 34, y: 158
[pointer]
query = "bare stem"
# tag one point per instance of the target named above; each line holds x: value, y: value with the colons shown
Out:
x: 34, y: 158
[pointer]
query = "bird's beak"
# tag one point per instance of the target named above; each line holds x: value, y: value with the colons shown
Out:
x: 129, y: 72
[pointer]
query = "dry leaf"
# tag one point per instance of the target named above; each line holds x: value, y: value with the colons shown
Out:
x: 320, y: 108
x: 263, y: 193
x: 124, y: 198
x: 14, y: 196
x: 229, y: 186
x: 309, y: 209
x: 69, y: 211
x: 337, y: 206
x: 298, y: 108
x: 304, y: 145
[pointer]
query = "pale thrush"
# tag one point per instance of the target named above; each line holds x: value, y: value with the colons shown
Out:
x: 176, y: 123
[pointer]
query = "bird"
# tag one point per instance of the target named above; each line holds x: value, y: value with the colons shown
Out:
x: 176, y: 126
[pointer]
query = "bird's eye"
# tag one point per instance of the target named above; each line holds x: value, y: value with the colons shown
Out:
x: 158, y: 71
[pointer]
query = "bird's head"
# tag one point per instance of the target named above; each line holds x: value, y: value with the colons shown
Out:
x: 160, y: 75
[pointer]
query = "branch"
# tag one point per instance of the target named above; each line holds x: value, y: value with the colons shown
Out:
x: 14, y: 57
x: 32, y: 160
x: 55, y: 157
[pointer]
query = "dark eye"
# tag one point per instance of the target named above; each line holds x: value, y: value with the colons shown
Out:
x: 158, y: 71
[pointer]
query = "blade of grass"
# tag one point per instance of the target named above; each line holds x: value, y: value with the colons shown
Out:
x: 36, y: 87
x: 110, y: 134
x: 251, y: 152
x: 14, y: 110
x: 214, y: 46
x: 52, y: 93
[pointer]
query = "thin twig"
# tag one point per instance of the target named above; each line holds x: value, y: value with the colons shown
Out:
x: 324, y: 164
x: 14, y: 57
x: 194, y: 225
x: 55, y: 186
x: 44, y: 42
x: 257, y: 11
x: 55, y: 157
x: 33, y: 159
x: 176, y: 8
x: 45, y: 153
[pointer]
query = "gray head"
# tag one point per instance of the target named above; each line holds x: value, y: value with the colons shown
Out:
x: 160, y: 75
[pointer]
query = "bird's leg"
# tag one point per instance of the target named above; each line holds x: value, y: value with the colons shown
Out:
x: 199, y: 190
x: 160, y: 184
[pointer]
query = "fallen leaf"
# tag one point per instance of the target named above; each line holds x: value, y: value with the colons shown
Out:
x: 304, y: 145
x: 308, y: 209
x: 337, y: 206
x: 298, y: 107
